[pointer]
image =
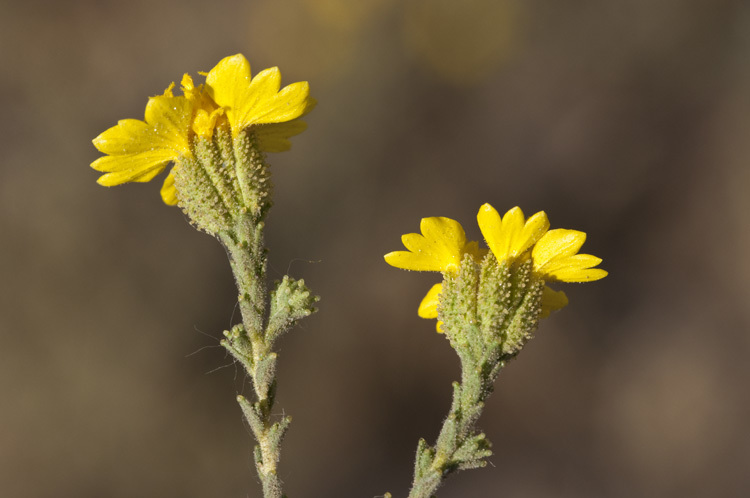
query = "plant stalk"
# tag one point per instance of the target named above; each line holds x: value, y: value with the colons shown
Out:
x: 250, y: 345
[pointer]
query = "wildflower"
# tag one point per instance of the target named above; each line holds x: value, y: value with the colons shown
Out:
x: 513, y: 240
x: 488, y: 310
x: 137, y: 151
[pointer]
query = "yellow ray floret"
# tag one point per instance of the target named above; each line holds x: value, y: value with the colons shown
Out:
x: 440, y: 247
x: 428, y: 308
x: 511, y: 236
x: 555, y: 258
x: 168, y: 191
x: 275, y: 137
x: 552, y: 300
x: 139, y: 150
x: 255, y: 101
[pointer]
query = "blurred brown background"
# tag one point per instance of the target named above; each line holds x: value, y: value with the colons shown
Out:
x: 626, y: 119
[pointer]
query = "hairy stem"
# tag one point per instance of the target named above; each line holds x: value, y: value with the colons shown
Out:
x: 254, y: 350
x: 265, y: 315
x: 459, y: 445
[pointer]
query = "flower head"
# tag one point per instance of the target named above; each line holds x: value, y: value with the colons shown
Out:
x: 136, y: 151
x: 513, y: 240
x: 440, y: 247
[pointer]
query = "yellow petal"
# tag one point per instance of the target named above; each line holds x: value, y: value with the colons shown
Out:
x: 552, y: 301
x: 512, y: 226
x: 429, y: 305
x: 263, y: 88
x: 168, y: 191
x: 555, y: 258
x: 127, y: 137
x: 257, y: 100
x: 556, y: 244
x: 290, y: 103
x: 411, y: 261
x: 139, y: 150
x: 227, y: 84
x: 533, y: 230
x: 491, y: 225
x: 421, y: 261
x: 576, y: 274
x: 415, y: 242
x: 419, y: 256
x: 169, y: 118
x: 141, y: 160
x: 140, y: 167
x: 166, y: 127
x: 439, y: 248
x: 444, y: 231
x: 446, y: 240
x: 275, y: 137
x: 575, y: 262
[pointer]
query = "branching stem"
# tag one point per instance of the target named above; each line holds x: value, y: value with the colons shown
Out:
x: 459, y: 445
x: 248, y: 343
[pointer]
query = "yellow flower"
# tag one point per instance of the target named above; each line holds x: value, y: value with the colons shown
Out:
x: 553, y: 252
x: 441, y: 247
x: 511, y: 238
x: 136, y: 151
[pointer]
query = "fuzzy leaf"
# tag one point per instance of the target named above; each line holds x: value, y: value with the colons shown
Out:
x: 290, y: 301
